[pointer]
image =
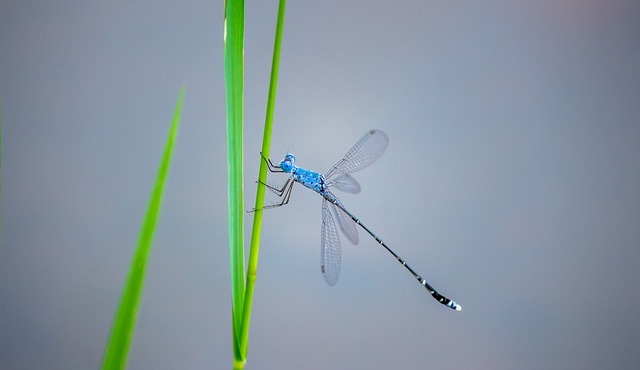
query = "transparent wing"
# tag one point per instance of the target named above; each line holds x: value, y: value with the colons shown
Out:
x: 347, y: 225
x: 330, y: 251
x: 366, y: 151
x: 346, y: 183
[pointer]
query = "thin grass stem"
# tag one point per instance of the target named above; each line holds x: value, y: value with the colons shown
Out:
x: 262, y: 176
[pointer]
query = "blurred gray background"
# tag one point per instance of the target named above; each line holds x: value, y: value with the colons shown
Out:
x: 511, y: 182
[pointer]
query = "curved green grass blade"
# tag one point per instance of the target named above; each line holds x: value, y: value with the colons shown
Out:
x: 234, y: 80
x: 123, y: 326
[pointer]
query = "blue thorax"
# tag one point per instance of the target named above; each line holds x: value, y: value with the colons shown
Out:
x: 312, y: 180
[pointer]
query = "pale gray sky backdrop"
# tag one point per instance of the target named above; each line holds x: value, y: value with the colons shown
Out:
x: 512, y: 181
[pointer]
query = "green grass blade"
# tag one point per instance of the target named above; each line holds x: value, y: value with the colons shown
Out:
x: 234, y: 81
x: 123, y: 326
x: 262, y: 176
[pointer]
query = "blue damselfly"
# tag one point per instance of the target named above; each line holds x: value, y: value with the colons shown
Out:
x: 366, y: 151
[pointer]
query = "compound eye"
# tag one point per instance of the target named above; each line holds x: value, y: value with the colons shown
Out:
x: 290, y: 158
x: 287, y: 162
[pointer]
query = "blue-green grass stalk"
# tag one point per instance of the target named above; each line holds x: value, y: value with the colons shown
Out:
x: 242, y: 291
x: 234, y: 81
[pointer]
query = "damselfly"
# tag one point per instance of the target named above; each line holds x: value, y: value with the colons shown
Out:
x: 366, y: 151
